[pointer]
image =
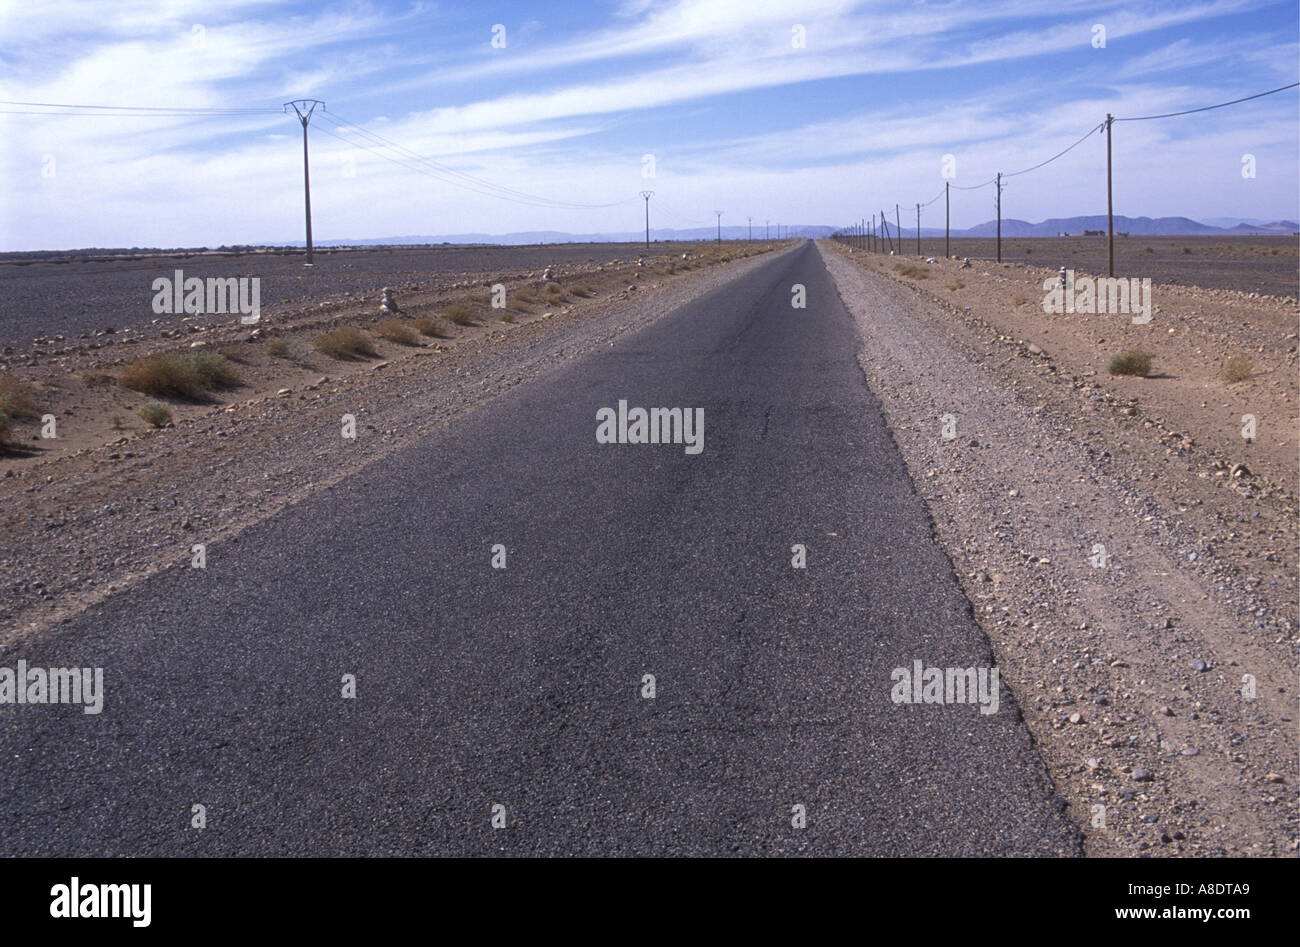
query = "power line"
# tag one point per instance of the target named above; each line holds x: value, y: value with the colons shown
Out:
x: 1206, y: 108
x: 1090, y: 131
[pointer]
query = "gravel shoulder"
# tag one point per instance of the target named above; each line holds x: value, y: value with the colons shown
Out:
x: 87, y: 522
x: 1133, y: 671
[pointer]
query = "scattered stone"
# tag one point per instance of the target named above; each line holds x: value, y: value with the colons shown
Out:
x: 1140, y: 776
x: 1200, y: 666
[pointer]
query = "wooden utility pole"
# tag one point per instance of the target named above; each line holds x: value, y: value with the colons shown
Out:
x: 298, y: 105
x: 751, y: 227
x: 1110, y: 205
x: 898, y: 230
x: 884, y: 225
x: 918, y: 229
x: 719, y: 213
x: 999, y: 201
x: 946, y: 252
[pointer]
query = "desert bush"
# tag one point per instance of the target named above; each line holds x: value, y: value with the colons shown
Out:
x: 1131, y: 362
x: 526, y: 293
x: 912, y: 272
x: 1237, y: 368
x: 186, y: 375
x: 461, y: 313
x: 96, y: 379
x: 956, y: 286
x: 346, y: 343
x: 16, y: 399
x: 236, y: 353
x: 279, y: 348
x: 582, y: 290
x: 155, y: 413
x: 118, y: 422
x: 553, y: 293
x: 395, y: 331
x: 507, y: 316
x: 431, y: 326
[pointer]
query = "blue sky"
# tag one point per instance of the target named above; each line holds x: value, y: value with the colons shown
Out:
x: 738, y: 115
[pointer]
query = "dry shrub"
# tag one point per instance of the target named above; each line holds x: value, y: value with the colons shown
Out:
x: 1131, y: 362
x: 155, y: 413
x: 1237, y: 368
x: 346, y: 342
x: 187, y: 375
x: 431, y: 326
x: 461, y: 313
x: 395, y: 331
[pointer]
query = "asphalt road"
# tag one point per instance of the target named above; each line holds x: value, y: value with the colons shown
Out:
x: 522, y: 687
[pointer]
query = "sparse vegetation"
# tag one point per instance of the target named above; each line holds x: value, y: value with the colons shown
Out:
x: 553, y: 293
x: 507, y: 316
x: 1131, y: 362
x: 16, y: 399
x: 582, y: 290
x: 96, y: 379
x: 279, y: 348
x: 954, y: 286
x: 431, y: 326
x: 187, y: 375
x: 155, y: 413
x: 395, y: 331
x: 461, y: 313
x: 236, y: 353
x: 346, y: 343
x: 1187, y: 249
x: 1237, y: 368
x: 118, y: 423
x: 1020, y: 301
x: 912, y: 272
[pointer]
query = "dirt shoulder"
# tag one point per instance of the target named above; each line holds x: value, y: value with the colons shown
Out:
x: 95, y: 510
x: 1134, y: 671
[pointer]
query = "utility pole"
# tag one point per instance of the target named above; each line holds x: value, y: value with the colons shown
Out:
x: 947, y: 254
x: 647, y: 195
x: 999, y: 200
x: 874, y: 245
x: 719, y: 213
x: 1110, y: 205
x: 918, y: 229
x: 884, y: 225
x: 767, y: 233
x: 310, y: 105
x: 898, y: 230
x: 751, y: 227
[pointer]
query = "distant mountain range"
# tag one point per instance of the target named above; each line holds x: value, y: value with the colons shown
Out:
x: 1138, y: 226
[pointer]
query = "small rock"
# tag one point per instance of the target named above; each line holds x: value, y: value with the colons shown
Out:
x: 1140, y: 776
x: 1200, y: 666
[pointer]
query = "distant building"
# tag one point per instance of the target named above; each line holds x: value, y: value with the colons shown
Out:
x: 1094, y: 233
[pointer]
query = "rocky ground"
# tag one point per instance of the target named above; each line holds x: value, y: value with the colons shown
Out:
x: 55, y: 303
x: 95, y: 509
x: 1131, y: 557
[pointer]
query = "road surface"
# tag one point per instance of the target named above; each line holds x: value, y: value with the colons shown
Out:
x: 522, y: 688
